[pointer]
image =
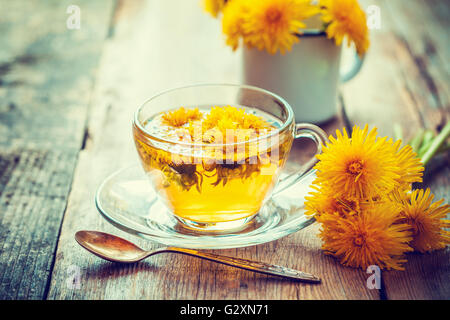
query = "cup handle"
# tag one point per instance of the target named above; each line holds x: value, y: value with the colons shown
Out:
x: 310, y: 131
x: 353, y: 71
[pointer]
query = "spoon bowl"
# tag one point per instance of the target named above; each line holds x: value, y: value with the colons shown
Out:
x: 110, y: 247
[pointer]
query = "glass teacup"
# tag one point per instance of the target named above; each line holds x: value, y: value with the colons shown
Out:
x: 221, y: 184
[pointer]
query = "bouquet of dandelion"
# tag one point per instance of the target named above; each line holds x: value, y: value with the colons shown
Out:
x: 274, y: 25
x: 364, y: 201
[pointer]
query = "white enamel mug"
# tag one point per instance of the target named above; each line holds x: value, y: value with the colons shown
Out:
x: 307, y: 76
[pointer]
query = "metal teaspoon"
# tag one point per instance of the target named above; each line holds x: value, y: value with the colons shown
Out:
x: 113, y: 248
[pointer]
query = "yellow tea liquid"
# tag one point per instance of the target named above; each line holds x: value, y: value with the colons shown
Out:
x: 210, y: 183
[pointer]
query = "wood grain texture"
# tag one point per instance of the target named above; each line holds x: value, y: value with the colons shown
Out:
x: 160, y: 63
x: 405, y: 81
x: 424, y: 52
x: 46, y: 75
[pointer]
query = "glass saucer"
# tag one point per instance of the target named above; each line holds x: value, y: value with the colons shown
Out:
x: 127, y: 200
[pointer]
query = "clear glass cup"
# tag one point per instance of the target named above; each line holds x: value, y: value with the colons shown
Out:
x: 221, y: 185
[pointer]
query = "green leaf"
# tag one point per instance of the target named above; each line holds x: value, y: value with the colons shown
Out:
x: 436, y: 144
x: 417, y: 140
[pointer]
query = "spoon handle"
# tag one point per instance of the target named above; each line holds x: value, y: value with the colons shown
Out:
x: 255, y: 266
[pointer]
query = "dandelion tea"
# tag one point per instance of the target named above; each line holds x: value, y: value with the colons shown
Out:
x: 213, y: 164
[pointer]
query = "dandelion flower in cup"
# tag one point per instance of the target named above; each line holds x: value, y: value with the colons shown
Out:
x: 233, y: 118
x: 273, y: 24
x: 426, y: 220
x: 214, y: 7
x: 345, y: 18
x: 362, y: 166
x: 181, y: 116
x: 369, y: 238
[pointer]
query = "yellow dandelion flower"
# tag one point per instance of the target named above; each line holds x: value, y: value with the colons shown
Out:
x: 233, y: 18
x: 410, y: 166
x: 362, y: 166
x: 426, y: 220
x: 214, y: 7
x: 345, y: 18
x: 369, y: 238
x: 230, y: 117
x: 323, y: 200
x: 273, y: 24
x: 181, y: 116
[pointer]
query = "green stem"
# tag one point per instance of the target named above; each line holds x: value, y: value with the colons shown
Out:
x: 427, y: 136
x: 436, y: 144
x: 423, y: 149
x: 426, y: 143
x: 398, y: 132
x: 417, y: 140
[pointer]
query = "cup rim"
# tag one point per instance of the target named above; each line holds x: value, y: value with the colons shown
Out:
x: 282, y: 128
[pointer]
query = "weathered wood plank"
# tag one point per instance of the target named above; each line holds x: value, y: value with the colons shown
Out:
x: 165, y: 48
x: 46, y: 75
x: 406, y: 82
x: 32, y: 204
x: 427, y: 63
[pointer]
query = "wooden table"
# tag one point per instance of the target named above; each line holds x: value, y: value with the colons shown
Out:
x: 66, y: 101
